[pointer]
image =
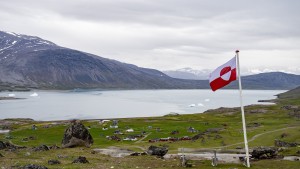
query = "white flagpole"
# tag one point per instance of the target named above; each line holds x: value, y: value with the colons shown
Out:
x: 242, y: 108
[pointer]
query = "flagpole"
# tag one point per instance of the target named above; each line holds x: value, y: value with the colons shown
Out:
x: 242, y: 109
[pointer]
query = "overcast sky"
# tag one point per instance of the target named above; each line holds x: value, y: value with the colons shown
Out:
x: 167, y: 34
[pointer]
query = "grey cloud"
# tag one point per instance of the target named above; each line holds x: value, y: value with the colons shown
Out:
x: 177, y: 33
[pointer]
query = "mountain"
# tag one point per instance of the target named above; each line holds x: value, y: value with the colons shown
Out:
x: 37, y: 63
x: 271, y: 80
x: 32, y: 62
x: 189, y: 73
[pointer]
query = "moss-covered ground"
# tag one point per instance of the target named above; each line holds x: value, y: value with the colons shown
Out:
x: 265, y: 123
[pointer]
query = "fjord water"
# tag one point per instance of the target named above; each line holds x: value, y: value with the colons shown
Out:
x: 63, y: 105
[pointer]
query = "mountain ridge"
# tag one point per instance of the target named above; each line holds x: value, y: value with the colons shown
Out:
x: 32, y: 62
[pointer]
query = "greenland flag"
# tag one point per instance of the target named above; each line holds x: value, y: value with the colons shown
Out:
x: 223, y: 75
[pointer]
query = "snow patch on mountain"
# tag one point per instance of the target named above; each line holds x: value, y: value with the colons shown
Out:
x: 189, y: 73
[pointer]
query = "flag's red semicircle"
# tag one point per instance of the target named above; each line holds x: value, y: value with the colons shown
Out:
x: 223, y: 75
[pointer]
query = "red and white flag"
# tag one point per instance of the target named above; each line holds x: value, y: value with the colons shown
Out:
x: 223, y: 75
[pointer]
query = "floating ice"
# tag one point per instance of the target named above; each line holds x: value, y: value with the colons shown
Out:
x: 192, y: 105
x: 200, y: 105
x: 34, y: 94
x: 207, y: 100
x: 11, y: 95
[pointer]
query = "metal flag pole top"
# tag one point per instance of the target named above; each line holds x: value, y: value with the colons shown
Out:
x: 242, y: 109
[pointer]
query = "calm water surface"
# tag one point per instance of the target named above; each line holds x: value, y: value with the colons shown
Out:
x: 62, y: 105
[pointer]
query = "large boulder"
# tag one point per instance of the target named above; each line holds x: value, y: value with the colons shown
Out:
x: 158, y: 151
x: 77, y: 135
x: 264, y: 153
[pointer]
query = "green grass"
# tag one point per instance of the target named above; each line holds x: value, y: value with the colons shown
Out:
x: 231, y: 133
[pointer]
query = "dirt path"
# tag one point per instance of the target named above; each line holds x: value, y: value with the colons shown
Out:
x: 143, y: 138
x: 254, y: 137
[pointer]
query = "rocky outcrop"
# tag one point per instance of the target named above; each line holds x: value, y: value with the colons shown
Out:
x: 9, y: 146
x: 77, y: 135
x: 265, y: 153
x: 80, y: 159
x: 279, y: 143
x: 157, y: 151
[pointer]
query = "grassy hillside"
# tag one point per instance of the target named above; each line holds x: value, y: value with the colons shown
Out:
x: 265, y: 123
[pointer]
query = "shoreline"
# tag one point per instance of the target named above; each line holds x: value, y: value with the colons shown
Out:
x: 10, y: 98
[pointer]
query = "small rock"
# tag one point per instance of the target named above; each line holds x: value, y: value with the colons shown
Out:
x: 25, y: 139
x: 41, y: 148
x: 34, y: 166
x: 218, y: 137
x: 62, y: 156
x: 283, y: 135
x: 279, y: 143
x: 53, y: 147
x: 27, y: 154
x: 52, y: 162
x: 80, y: 159
x: 2, y: 145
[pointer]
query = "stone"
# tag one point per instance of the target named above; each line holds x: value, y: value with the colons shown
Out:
x: 80, y: 159
x: 2, y: 145
x: 279, y: 143
x: 138, y: 154
x: 218, y: 137
x: 41, y: 148
x: 198, y: 136
x: 53, y: 147
x: 158, y: 151
x: 213, y: 130
x: 53, y: 162
x: 77, y: 135
x: 283, y: 135
x: 34, y: 166
x: 265, y: 153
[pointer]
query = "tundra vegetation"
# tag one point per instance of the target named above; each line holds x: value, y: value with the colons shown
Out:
x: 215, y: 129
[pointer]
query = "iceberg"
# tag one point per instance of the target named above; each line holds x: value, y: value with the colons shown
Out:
x: 200, y: 104
x: 11, y: 95
x: 34, y: 94
x: 192, y: 105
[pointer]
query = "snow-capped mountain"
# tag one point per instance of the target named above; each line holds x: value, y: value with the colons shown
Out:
x: 35, y: 62
x: 32, y: 62
x: 189, y: 73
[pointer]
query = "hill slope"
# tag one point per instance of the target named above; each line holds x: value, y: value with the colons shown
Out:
x: 32, y: 61
x: 294, y: 93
